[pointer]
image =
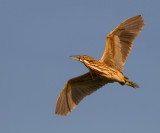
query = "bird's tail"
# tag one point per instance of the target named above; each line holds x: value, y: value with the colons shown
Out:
x: 130, y: 83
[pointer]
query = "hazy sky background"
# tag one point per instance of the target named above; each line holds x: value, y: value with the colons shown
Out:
x: 37, y: 38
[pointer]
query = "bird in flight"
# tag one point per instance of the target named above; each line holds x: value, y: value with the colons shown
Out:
x: 108, y: 69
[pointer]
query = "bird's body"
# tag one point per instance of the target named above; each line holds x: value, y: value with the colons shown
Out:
x: 103, y: 70
x: 108, y: 69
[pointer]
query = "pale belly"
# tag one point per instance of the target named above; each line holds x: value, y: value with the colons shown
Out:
x: 108, y: 72
x: 113, y: 75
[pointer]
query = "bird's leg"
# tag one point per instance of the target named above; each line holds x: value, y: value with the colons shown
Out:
x: 126, y: 79
x: 91, y: 73
x: 130, y: 83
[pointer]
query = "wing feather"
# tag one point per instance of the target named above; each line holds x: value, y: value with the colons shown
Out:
x: 75, y: 90
x: 120, y: 41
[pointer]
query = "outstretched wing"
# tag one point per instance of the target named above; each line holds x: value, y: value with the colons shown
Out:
x: 120, y: 41
x: 75, y: 90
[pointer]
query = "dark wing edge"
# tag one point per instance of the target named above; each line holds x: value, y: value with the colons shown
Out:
x: 75, y: 90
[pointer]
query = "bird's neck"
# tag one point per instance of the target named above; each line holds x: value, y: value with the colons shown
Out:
x: 89, y: 63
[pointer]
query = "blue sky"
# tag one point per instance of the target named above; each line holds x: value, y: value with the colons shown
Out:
x: 37, y: 38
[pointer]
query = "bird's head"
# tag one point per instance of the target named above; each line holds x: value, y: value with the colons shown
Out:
x: 83, y: 58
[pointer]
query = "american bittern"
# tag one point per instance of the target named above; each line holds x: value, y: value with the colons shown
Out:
x: 107, y: 70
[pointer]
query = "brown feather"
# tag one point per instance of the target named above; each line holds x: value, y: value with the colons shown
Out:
x: 120, y: 41
x: 75, y: 90
x: 107, y: 70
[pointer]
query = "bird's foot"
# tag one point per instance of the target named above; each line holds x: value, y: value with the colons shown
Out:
x: 130, y: 83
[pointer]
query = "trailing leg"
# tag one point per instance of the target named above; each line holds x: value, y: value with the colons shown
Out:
x: 130, y: 83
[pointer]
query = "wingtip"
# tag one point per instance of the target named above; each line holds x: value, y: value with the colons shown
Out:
x: 139, y: 15
x: 61, y: 115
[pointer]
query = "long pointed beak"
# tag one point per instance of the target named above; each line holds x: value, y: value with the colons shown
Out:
x: 77, y: 57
